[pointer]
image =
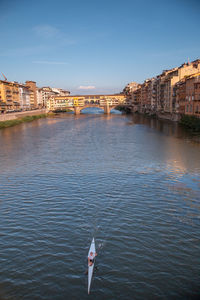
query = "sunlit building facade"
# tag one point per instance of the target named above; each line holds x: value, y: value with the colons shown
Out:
x: 9, y: 96
x: 168, y: 92
x: 61, y: 102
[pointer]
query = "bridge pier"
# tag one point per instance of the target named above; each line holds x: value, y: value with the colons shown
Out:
x: 77, y: 110
x: 107, y: 109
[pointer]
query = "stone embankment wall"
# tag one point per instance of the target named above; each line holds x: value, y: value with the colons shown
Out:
x: 16, y: 115
x: 167, y: 116
x: 175, y: 117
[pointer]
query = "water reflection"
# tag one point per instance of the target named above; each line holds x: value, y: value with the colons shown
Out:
x: 130, y: 181
x: 164, y: 126
x: 98, y: 110
x: 175, y: 148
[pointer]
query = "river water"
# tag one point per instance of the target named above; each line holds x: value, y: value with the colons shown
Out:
x: 132, y: 183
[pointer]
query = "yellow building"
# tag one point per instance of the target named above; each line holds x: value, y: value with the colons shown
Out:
x: 9, y: 96
x: 50, y: 104
x: 64, y: 102
x: 169, y: 78
x: 33, y: 93
x: 77, y: 100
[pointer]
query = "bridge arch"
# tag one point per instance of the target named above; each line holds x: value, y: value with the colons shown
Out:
x: 92, y: 106
x: 106, y: 108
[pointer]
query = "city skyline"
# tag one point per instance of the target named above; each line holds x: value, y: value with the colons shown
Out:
x: 94, y: 47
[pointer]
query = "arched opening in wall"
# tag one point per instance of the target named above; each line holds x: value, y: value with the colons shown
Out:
x: 115, y: 111
x: 92, y: 110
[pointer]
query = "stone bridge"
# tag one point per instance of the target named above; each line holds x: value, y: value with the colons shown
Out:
x: 80, y: 102
x: 107, y: 108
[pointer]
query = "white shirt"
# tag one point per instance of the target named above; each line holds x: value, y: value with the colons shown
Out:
x: 91, y: 256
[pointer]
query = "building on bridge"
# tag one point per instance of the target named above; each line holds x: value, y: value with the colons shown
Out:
x: 77, y: 103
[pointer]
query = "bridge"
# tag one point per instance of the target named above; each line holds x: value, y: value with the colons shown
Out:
x: 78, y: 103
x: 107, y: 108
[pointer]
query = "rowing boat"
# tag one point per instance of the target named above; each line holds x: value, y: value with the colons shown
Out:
x: 91, y: 268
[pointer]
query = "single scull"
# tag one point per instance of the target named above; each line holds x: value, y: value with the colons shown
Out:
x: 91, y: 267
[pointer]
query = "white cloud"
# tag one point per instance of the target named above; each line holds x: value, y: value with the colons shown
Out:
x: 49, y: 62
x: 49, y: 32
x: 25, y: 51
x: 86, y: 87
x: 46, y: 31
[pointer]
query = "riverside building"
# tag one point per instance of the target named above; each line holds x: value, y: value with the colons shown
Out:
x: 9, y: 96
x: 33, y: 94
x: 24, y: 95
x: 164, y: 94
x: 16, y: 96
x: 192, y: 93
x: 45, y: 93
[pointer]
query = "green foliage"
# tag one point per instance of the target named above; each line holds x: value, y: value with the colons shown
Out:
x: 123, y: 108
x: 191, y: 122
x: 9, y: 123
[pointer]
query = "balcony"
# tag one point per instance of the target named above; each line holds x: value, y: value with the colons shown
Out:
x: 197, y: 79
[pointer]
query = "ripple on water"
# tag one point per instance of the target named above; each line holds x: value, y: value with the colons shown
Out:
x: 133, y: 187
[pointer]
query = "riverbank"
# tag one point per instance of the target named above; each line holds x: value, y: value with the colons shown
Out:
x: 124, y: 109
x: 191, y: 123
x: 13, y: 122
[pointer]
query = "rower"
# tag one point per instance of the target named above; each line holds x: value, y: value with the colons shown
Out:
x: 91, y: 257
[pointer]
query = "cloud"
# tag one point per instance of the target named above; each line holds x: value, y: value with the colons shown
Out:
x: 86, y: 87
x: 46, y: 62
x: 25, y: 51
x: 49, y: 32
x: 46, y: 31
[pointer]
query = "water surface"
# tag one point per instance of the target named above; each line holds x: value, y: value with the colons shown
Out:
x: 131, y: 182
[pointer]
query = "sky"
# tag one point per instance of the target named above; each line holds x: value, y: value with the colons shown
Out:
x: 93, y: 47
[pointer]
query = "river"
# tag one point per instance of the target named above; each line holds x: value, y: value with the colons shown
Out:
x: 131, y: 182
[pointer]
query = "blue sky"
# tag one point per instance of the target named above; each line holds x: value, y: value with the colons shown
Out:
x: 95, y: 46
